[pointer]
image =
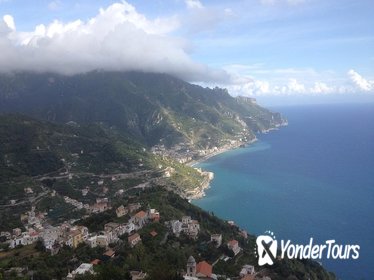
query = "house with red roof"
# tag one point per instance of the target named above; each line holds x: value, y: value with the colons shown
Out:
x: 204, y: 270
x: 110, y: 253
x: 153, y: 233
x: 233, y: 245
x: 248, y: 277
x: 96, y: 262
x: 140, y: 219
x: 134, y: 239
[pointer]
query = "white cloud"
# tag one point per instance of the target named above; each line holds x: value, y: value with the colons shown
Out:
x: 258, y: 80
x: 295, y: 87
x: 360, y: 82
x: 322, y: 88
x: 290, y: 87
x: 9, y: 21
x: 118, y: 38
x: 262, y: 87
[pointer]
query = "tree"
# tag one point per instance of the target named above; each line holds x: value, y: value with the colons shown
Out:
x: 162, y: 271
x: 40, y: 246
x: 111, y: 272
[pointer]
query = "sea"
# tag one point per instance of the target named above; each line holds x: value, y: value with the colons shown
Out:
x: 311, y: 179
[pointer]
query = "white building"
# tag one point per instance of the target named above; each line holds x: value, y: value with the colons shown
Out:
x: 81, y: 270
x: 247, y: 270
x: 217, y: 239
x: 49, y: 236
x: 176, y: 227
x: 92, y: 241
x: 102, y: 240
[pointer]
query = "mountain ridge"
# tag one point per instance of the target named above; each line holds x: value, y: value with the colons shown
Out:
x: 152, y: 108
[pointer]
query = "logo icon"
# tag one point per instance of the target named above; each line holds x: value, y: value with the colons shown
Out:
x: 266, y: 249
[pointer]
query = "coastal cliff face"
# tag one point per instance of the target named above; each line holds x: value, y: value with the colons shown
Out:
x: 199, y: 191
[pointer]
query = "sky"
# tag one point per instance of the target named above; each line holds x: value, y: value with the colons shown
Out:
x: 274, y: 50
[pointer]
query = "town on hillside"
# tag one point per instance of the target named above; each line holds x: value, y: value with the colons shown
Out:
x: 126, y: 228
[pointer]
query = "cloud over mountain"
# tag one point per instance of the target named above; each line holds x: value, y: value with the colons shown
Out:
x: 120, y: 38
x: 117, y: 38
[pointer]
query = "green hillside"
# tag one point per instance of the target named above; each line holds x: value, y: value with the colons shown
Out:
x: 45, y: 156
x: 152, y: 108
x: 30, y: 147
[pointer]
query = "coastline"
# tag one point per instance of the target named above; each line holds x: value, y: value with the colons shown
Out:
x: 199, y: 192
x: 221, y: 150
x: 302, y: 123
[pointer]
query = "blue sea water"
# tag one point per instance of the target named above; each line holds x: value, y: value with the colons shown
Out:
x: 313, y: 178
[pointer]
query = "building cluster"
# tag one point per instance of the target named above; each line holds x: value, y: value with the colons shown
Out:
x: 52, y: 237
x: 33, y: 218
x: 101, y: 204
x: 67, y: 234
x: 187, y: 226
x: 122, y: 210
x: 21, y: 238
x: 181, y: 152
x: 112, y: 231
x: 77, y: 204
x: 34, y: 225
x: 186, y: 152
x: 204, y: 270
